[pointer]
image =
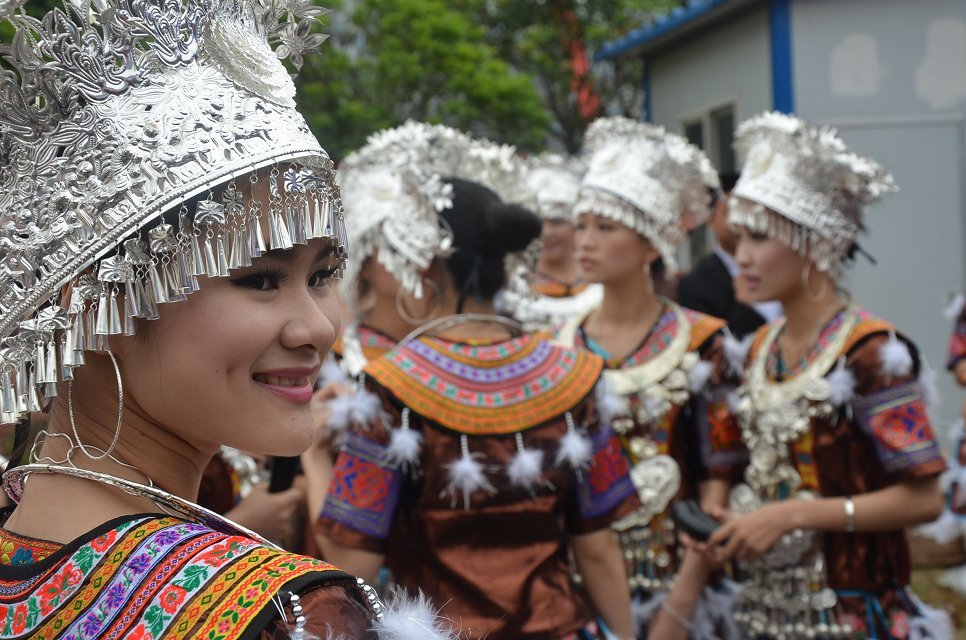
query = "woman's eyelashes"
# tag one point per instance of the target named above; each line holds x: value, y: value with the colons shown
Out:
x: 271, y: 277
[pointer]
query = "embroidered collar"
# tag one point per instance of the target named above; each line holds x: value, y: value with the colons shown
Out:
x: 361, y: 343
x: 497, y: 388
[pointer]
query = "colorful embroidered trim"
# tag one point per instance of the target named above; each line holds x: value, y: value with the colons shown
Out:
x: 545, y: 285
x: 659, y: 337
x: 608, y: 482
x: 719, y: 434
x: 374, y: 344
x: 491, y: 389
x: 365, y: 489
x: 153, y: 578
x: 896, y: 420
x: 17, y: 550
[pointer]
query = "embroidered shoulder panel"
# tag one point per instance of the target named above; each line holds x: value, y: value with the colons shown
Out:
x: 491, y: 389
x: 152, y: 578
x: 374, y: 343
x: 703, y: 327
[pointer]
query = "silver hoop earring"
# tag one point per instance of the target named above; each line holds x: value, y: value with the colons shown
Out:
x: 806, y: 277
x: 120, y: 415
x: 408, y: 317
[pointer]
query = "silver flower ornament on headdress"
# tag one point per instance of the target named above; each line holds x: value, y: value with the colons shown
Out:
x: 802, y: 185
x: 553, y: 181
x: 647, y: 179
x: 396, y: 185
x: 117, y: 113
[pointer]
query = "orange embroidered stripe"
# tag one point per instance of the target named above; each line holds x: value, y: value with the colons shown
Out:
x: 240, y: 607
x: 702, y: 328
x: 544, y: 405
x: 867, y: 328
x: 81, y: 600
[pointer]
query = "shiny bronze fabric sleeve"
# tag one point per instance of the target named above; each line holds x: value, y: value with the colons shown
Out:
x: 330, y: 611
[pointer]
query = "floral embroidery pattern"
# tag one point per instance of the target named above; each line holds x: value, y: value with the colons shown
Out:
x: 138, y: 580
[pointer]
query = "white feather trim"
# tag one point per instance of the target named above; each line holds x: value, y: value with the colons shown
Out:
x: 609, y: 404
x: 733, y: 400
x: 954, y: 579
x: 404, y: 447
x: 955, y: 307
x: 643, y: 610
x: 931, y: 624
x: 699, y: 375
x: 331, y: 373
x: 841, y: 382
x: 408, y: 618
x: 895, y: 357
x: 525, y: 468
x: 943, y: 529
x: 466, y: 475
x: 356, y: 409
x: 575, y: 450
x: 930, y: 391
x: 736, y: 351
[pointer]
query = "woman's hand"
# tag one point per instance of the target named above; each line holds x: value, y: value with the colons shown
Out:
x: 750, y: 536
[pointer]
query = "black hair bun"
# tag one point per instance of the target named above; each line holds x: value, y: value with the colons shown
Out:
x: 510, y: 227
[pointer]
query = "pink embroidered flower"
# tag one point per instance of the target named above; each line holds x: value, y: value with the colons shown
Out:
x: 72, y: 575
x: 899, y: 625
x: 172, y: 597
x: 224, y: 626
x: 140, y: 632
x: 251, y: 592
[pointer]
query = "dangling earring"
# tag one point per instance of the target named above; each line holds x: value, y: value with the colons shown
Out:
x: 120, y: 415
x: 806, y: 277
x: 411, y: 319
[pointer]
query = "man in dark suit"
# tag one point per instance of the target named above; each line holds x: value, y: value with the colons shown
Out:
x: 709, y: 287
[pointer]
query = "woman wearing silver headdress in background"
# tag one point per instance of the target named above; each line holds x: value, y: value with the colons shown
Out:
x: 169, y: 233
x: 833, y: 408
x: 666, y: 370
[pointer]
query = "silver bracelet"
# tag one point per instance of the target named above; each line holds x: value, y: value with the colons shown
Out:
x: 677, y: 617
x: 849, y: 515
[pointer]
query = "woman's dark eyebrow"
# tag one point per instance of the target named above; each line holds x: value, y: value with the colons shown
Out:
x: 287, y: 255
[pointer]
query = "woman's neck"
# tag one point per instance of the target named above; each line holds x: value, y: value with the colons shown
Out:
x: 564, y: 270
x: 60, y: 508
x: 628, y: 300
x: 384, y: 317
x: 805, y: 315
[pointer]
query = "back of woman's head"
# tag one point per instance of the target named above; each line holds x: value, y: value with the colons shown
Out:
x: 485, y: 229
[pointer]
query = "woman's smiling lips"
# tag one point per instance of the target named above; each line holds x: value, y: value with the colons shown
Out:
x: 295, y: 385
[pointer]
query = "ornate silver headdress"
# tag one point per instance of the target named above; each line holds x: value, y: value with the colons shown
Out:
x: 118, y: 113
x: 554, y: 183
x: 393, y: 204
x: 808, y: 177
x: 647, y: 179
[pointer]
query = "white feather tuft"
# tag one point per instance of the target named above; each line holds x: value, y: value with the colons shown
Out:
x: 943, y: 529
x: 841, y: 382
x: 931, y: 623
x: 466, y: 475
x: 736, y: 351
x: 331, y: 373
x: 575, y: 450
x: 609, y: 404
x: 954, y: 579
x: 714, y: 616
x: 929, y: 389
x: 356, y: 409
x: 733, y: 400
x: 699, y: 375
x: 643, y: 610
x: 404, y: 447
x: 955, y: 307
x: 895, y: 357
x: 526, y: 468
x: 407, y: 618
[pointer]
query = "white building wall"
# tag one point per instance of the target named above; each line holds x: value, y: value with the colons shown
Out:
x: 727, y: 64
x: 891, y: 75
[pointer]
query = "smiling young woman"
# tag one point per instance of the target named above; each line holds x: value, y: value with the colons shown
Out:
x: 166, y: 292
x: 833, y: 408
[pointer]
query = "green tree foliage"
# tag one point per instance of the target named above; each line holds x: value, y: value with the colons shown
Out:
x: 389, y: 60
x: 544, y: 38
